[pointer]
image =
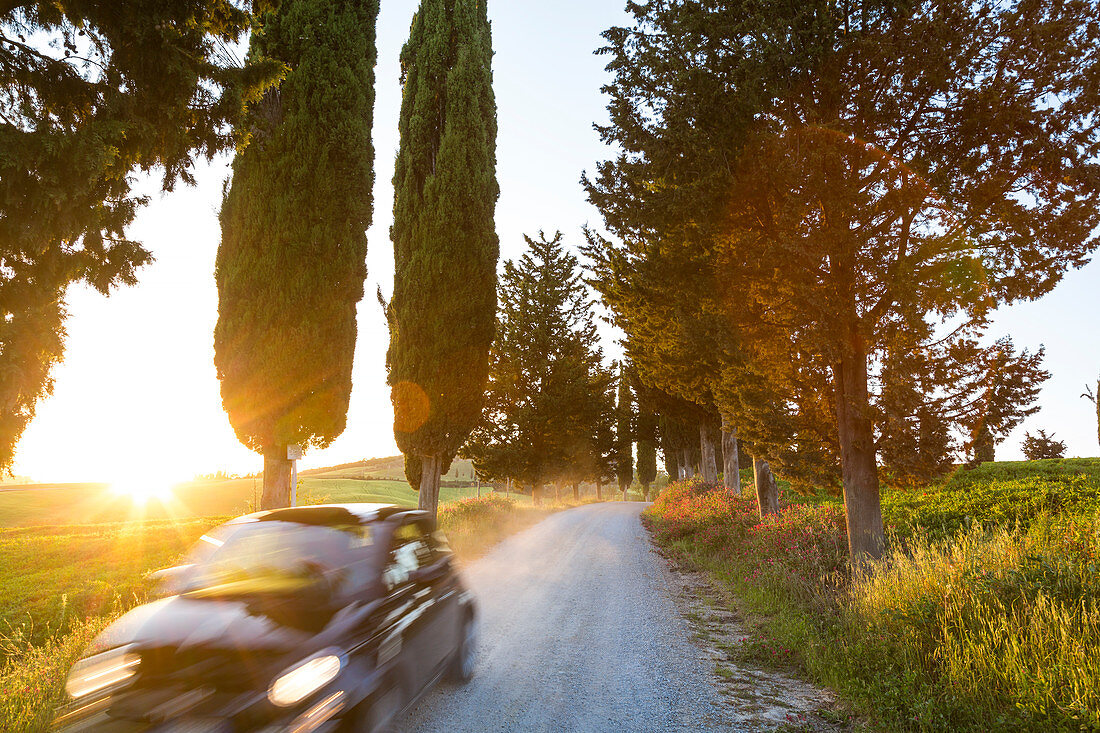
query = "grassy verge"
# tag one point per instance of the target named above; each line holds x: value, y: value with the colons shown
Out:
x: 989, y: 627
x: 63, y: 584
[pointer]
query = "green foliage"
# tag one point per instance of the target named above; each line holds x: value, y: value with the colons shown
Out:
x: 964, y: 502
x: 88, y: 95
x: 1042, y: 446
x: 549, y: 402
x: 833, y: 230
x: 624, y: 431
x: 646, y: 435
x: 1007, y: 384
x: 292, y: 261
x: 442, y: 315
x: 33, y: 676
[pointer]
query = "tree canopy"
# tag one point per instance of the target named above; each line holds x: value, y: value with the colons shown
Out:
x: 292, y: 261
x: 442, y: 314
x: 90, y: 92
x: 851, y: 180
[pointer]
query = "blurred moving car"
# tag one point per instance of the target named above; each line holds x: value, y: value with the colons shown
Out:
x: 306, y: 619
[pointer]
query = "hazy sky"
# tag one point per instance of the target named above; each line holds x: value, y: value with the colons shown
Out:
x: 137, y: 393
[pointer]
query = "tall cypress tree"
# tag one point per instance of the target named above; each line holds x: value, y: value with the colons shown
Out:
x: 442, y: 316
x: 624, y: 433
x: 292, y: 261
x: 647, y: 446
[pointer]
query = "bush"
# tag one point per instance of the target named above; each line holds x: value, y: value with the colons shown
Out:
x: 974, y: 498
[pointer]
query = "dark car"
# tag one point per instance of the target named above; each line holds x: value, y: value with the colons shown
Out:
x: 305, y: 619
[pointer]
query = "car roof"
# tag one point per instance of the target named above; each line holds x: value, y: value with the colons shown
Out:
x: 327, y: 514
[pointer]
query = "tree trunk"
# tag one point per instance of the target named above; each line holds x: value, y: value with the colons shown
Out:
x: 672, y: 465
x: 276, y: 491
x: 767, y: 491
x: 1096, y: 402
x: 686, y: 464
x: 862, y: 505
x: 431, y: 469
x: 576, y: 491
x: 536, y: 494
x: 645, y: 492
x: 599, y: 491
x: 731, y: 462
x: 706, y: 453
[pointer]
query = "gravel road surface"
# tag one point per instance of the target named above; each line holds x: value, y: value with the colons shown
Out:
x: 579, y: 632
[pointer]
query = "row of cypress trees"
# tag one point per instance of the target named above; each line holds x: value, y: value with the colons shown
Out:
x: 292, y: 262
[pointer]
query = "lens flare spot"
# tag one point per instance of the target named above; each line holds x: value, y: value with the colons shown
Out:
x: 411, y: 407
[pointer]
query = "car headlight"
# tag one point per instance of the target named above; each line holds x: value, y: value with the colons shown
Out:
x: 101, y: 671
x: 305, y: 678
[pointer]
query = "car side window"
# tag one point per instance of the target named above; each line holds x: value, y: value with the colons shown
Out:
x: 407, y: 552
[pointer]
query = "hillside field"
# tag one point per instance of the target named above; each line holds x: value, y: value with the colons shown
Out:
x: 56, y: 504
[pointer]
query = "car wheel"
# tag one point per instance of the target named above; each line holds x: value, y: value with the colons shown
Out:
x: 462, y: 667
x: 377, y: 715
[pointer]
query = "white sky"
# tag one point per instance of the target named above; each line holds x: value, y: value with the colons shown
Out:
x: 137, y: 392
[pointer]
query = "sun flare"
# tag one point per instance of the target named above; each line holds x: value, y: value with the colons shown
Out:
x: 142, y: 489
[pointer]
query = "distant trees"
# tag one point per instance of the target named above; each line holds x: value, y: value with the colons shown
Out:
x: 442, y: 315
x: 846, y: 191
x: 550, y: 403
x: 292, y: 260
x: 1006, y: 386
x: 88, y: 96
x: 1041, y: 446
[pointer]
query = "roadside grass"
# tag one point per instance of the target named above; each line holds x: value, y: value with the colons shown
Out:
x: 991, y: 626
x: 63, y: 584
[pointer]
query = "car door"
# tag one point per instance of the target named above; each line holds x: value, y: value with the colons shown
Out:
x: 410, y: 604
x: 435, y: 579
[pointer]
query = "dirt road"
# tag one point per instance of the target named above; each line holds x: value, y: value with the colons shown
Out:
x: 579, y: 632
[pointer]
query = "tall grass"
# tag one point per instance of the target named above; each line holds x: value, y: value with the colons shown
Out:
x: 985, y: 629
x: 31, y: 681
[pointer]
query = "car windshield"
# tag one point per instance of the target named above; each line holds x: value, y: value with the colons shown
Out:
x: 271, y: 556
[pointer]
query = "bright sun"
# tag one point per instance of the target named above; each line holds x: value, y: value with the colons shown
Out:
x: 142, y: 488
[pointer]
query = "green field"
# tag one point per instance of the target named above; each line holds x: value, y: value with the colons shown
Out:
x: 392, y: 467
x: 33, y: 505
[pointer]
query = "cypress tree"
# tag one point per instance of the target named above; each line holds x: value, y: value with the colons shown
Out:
x: 647, y: 447
x: 624, y: 434
x: 292, y: 261
x: 442, y: 316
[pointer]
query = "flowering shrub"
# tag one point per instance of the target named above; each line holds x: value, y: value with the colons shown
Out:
x: 802, y: 546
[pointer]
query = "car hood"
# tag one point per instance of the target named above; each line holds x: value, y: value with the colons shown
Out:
x: 191, y: 624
